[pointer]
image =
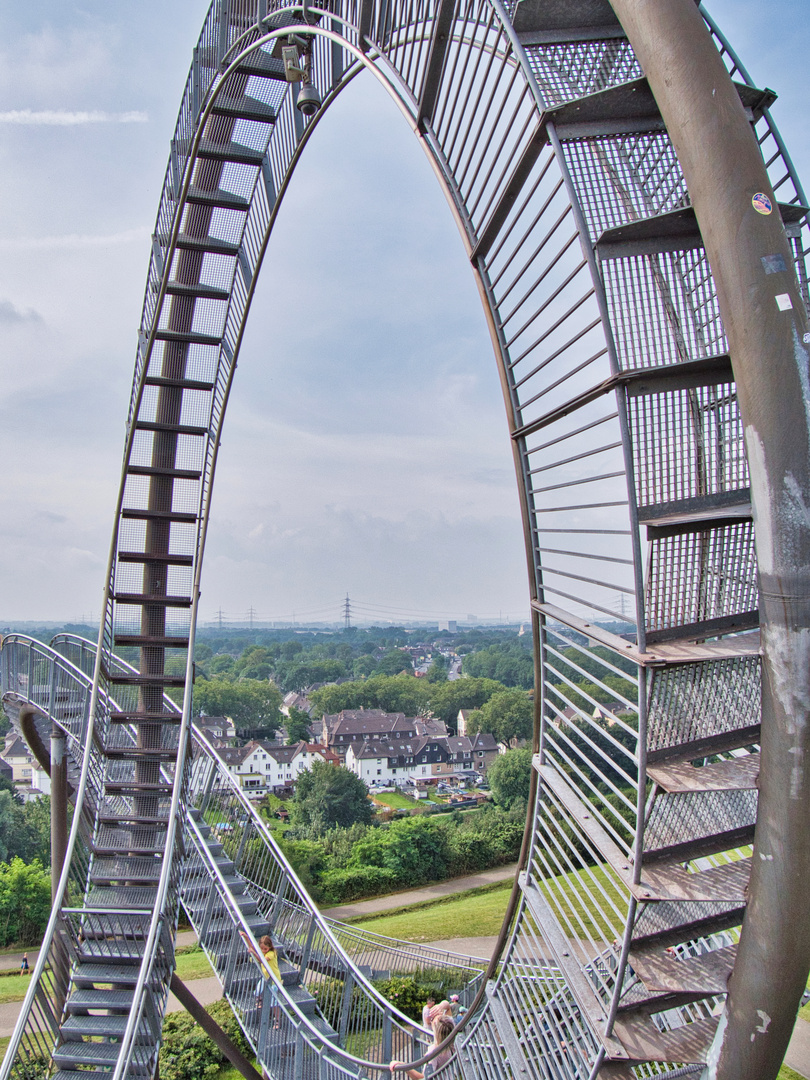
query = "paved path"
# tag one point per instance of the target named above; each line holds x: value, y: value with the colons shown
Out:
x: 418, y: 896
x: 798, y: 1054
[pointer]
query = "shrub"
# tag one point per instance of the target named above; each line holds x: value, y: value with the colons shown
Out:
x: 187, y: 1053
x: 354, y: 882
x: 25, y: 902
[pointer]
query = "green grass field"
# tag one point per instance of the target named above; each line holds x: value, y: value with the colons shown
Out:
x: 395, y: 801
x: 478, y: 913
x: 786, y: 1073
x: 193, y: 964
x: 13, y: 988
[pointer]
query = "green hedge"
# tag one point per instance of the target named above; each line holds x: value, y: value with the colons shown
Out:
x: 187, y: 1053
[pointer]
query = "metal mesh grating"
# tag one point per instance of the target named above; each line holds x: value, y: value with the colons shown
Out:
x: 695, y: 577
x: 681, y: 818
x: 693, y: 701
x: 624, y: 178
x: 663, y: 309
x: 574, y: 70
x: 687, y: 443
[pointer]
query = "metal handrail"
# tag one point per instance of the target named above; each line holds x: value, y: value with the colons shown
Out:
x: 302, y: 1021
x: 39, y: 967
x: 492, y: 966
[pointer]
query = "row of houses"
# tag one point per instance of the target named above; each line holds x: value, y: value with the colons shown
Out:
x: 381, y: 748
x: 422, y: 760
x: 262, y: 767
x: 350, y: 727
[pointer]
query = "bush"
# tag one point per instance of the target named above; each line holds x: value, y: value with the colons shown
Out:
x: 354, y: 882
x: 222, y: 1013
x: 414, y: 848
x: 187, y: 1053
x: 25, y: 902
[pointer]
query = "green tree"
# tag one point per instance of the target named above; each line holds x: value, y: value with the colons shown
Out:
x: 297, y: 726
x: 507, y: 715
x: 9, y: 817
x: 25, y: 902
x: 508, y: 662
x: 509, y: 777
x: 394, y: 661
x: 31, y: 838
x: 220, y: 664
x: 415, y: 849
x: 251, y: 703
x: 448, y: 698
x: 397, y: 693
x: 329, y: 795
x: 437, y: 672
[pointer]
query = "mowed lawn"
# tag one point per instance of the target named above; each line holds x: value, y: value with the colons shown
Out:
x: 477, y: 914
x: 480, y: 912
x: 395, y: 801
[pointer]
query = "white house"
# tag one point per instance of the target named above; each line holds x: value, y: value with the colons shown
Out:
x: 381, y: 762
x: 262, y: 766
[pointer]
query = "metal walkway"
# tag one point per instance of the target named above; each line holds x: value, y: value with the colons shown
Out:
x: 631, y: 373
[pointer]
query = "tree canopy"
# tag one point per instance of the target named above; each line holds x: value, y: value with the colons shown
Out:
x: 509, y: 777
x: 251, y: 703
x: 509, y: 662
x: 25, y: 828
x: 329, y: 795
x: 508, y: 714
x: 297, y: 726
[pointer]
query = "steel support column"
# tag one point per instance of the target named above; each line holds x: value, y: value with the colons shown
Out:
x: 766, y: 324
x: 59, y: 805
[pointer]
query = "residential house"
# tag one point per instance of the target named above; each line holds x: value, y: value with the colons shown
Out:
x: 19, y: 757
x: 263, y: 766
x: 294, y: 700
x: 384, y: 761
x: 341, y: 730
x: 422, y: 760
x: 219, y: 730
x: 462, y: 721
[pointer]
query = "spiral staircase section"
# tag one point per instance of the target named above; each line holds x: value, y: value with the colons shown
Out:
x: 236, y: 886
x: 635, y: 489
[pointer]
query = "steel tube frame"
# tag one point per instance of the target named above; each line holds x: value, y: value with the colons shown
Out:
x: 770, y: 358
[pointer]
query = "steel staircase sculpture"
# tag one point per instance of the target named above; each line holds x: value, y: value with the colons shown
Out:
x: 235, y: 882
x: 637, y: 496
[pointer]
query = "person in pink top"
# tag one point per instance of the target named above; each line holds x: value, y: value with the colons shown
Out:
x: 442, y: 1029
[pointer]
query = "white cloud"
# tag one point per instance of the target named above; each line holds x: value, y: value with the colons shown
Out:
x: 365, y: 446
x: 74, y: 240
x: 11, y: 315
x: 64, y: 118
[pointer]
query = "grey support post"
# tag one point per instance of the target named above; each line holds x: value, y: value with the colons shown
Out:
x: 766, y: 323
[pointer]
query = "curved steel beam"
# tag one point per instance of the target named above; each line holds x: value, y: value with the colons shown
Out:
x: 764, y: 316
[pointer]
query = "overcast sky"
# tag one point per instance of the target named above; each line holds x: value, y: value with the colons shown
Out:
x: 365, y: 446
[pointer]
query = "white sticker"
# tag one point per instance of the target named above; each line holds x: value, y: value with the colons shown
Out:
x: 806, y: 339
x: 783, y: 301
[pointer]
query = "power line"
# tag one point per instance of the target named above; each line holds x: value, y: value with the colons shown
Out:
x: 347, y: 613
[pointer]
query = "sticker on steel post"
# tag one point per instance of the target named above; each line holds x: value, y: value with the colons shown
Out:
x: 761, y: 203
